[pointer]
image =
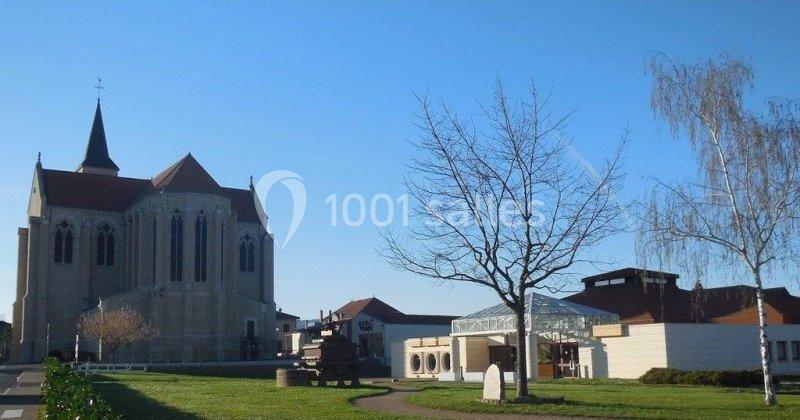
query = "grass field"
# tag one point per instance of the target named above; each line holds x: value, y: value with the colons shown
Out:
x: 170, y: 396
x: 627, y: 399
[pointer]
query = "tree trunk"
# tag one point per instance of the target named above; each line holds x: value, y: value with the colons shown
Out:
x: 769, y: 390
x: 522, y: 351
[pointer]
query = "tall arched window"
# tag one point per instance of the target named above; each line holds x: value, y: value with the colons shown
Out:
x: 62, y: 252
x: 200, y: 247
x: 105, y: 245
x: 176, y: 248
x: 246, y: 254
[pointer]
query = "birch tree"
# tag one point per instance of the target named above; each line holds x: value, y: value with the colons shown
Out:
x: 743, y: 207
x: 503, y: 206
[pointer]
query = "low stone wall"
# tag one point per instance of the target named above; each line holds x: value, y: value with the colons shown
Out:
x: 292, y: 377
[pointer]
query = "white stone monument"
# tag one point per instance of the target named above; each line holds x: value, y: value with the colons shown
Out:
x: 494, y: 385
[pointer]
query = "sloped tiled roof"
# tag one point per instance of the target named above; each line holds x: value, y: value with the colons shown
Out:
x: 284, y: 315
x: 92, y: 191
x: 638, y: 304
x: 112, y: 193
x: 379, y: 309
x: 186, y: 175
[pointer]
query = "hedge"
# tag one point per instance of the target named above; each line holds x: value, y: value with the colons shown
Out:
x: 67, y: 394
x: 703, y: 377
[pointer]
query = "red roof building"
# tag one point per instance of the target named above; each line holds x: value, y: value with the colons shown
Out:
x: 642, y: 296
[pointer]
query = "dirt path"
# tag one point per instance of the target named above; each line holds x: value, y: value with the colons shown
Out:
x: 394, y: 403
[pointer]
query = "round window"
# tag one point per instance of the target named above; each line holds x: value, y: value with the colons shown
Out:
x: 446, y: 362
x: 430, y: 362
x: 416, y: 363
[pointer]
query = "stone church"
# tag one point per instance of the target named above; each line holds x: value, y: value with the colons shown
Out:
x: 192, y: 256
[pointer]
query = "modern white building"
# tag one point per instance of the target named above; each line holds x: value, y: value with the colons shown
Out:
x: 624, y: 323
x: 489, y: 336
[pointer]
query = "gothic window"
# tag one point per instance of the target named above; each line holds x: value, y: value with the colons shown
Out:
x: 176, y: 248
x: 62, y: 252
x: 221, y: 252
x: 200, y: 247
x: 246, y: 254
x: 155, y: 243
x: 105, y: 246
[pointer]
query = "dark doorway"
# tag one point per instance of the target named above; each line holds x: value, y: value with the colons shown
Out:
x: 504, y: 356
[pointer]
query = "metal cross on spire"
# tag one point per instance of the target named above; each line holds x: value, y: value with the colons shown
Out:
x: 99, y: 87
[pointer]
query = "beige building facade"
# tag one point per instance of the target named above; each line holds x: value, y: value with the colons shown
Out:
x: 194, y: 257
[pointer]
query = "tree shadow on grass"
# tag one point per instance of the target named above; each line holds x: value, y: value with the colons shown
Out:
x: 132, y: 404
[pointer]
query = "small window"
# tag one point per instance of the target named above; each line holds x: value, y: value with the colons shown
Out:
x: 430, y: 362
x: 616, y: 281
x: 600, y: 283
x: 416, y: 363
x: 769, y: 350
x: 781, y: 351
x: 649, y: 280
x: 446, y: 362
x: 796, y: 351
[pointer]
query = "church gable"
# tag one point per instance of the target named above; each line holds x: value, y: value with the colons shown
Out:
x: 186, y: 175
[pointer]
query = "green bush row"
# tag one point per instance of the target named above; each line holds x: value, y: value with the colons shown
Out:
x: 703, y: 377
x: 67, y: 394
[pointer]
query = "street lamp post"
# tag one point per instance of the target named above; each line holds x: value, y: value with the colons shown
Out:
x: 102, y: 324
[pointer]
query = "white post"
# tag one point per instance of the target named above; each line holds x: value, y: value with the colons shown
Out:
x: 455, y: 359
x: 102, y: 324
x: 47, y: 342
x: 76, y: 347
x: 532, y: 355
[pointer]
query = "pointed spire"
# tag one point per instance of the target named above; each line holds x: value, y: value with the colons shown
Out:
x: 97, y: 159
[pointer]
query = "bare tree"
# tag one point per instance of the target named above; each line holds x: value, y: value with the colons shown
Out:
x: 503, y: 207
x: 743, y: 208
x: 116, y: 327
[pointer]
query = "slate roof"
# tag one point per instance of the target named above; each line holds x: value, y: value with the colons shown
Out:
x: 379, y: 309
x: 97, y: 149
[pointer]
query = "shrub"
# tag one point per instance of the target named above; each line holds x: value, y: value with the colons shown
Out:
x: 703, y: 377
x: 67, y: 394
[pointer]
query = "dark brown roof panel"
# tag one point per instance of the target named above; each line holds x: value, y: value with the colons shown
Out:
x: 186, y: 175
x: 92, y: 191
x: 386, y: 313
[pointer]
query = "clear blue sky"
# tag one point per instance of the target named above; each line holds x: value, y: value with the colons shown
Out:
x: 325, y: 90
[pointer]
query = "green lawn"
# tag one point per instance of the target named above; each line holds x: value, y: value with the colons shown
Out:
x: 169, y: 396
x: 165, y: 396
x: 627, y: 399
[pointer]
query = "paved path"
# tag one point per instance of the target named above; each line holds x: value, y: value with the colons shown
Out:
x: 394, y: 403
x: 20, y: 391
